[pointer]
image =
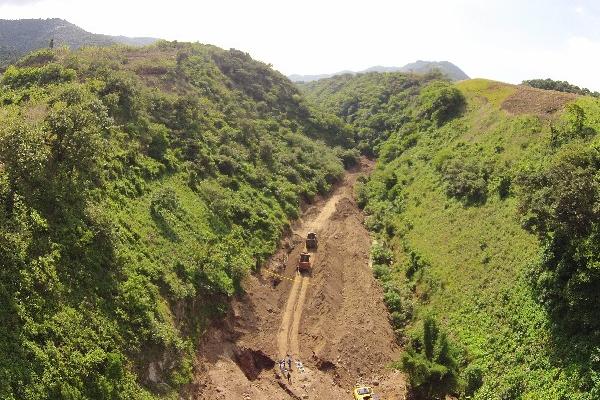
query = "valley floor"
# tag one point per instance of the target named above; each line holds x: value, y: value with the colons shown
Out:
x: 333, y: 321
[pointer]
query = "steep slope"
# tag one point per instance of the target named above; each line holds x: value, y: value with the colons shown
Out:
x: 478, y: 221
x: 138, y: 187
x: 18, y: 37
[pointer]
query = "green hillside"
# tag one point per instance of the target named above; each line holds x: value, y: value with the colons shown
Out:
x: 487, y: 219
x: 370, y: 103
x: 137, y: 188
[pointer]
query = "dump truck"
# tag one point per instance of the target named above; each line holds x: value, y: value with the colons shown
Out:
x: 304, y: 262
x: 311, y: 241
x: 362, y: 392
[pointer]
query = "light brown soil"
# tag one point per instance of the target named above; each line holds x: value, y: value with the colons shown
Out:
x: 544, y: 103
x: 333, y: 320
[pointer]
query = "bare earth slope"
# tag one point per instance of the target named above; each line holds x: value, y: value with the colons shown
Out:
x: 333, y: 320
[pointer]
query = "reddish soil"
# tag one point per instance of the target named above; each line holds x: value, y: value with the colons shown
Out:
x: 333, y: 320
x: 544, y: 103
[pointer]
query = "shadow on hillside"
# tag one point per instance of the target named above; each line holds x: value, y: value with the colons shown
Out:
x: 577, y: 353
x: 164, y: 227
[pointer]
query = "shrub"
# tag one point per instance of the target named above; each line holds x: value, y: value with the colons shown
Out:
x: 159, y: 141
x: 381, y: 254
x: 37, y: 58
x: 472, y: 377
x: 430, y: 364
x: 465, y: 180
x: 381, y: 272
x: 415, y: 264
x: 561, y: 203
x: 570, y: 126
x: 439, y: 102
x: 24, y: 77
x: 349, y: 157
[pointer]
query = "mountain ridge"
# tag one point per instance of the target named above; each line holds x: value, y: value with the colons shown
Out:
x: 20, y: 36
x: 420, y: 67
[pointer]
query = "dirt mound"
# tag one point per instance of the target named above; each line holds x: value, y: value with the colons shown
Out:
x: 544, y: 103
x: 332, y: 321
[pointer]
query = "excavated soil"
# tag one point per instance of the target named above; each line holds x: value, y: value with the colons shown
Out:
x: 332, y: 320
x: 544, y: 103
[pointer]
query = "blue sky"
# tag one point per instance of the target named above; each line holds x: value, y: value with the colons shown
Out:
x: 505, y: 40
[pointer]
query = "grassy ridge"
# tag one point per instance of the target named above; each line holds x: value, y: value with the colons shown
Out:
x: 137, y: 188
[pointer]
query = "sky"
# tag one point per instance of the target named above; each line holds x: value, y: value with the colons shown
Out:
x: 505, y: 40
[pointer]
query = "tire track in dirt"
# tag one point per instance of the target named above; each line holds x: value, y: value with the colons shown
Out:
x: 287, y: 338
x: 288, y: 341
x: 294, y: 339
x: 284, y: 336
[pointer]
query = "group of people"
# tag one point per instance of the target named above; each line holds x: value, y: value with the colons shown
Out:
x: 285, y: 366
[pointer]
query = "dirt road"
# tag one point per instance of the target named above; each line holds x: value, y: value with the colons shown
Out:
x: 333, y: 320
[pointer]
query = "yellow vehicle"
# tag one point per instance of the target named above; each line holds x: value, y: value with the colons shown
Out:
x: 361, y: 392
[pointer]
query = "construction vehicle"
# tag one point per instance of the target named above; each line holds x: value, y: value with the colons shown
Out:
x: 311, y: 241
x: 362, y: 392
x: 304, y: 263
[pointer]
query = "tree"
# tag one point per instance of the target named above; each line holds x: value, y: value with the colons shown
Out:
x: 430, y: 364
x: 439, y: 102
x: 561, y: 86
x: 561, y: 203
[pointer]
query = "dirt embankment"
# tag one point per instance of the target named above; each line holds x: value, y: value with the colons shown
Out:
x: 332, y: 320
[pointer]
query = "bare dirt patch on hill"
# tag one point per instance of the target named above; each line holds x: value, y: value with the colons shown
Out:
x: 544, y: 103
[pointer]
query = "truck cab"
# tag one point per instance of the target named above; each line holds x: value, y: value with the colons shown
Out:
x: 304, y: 263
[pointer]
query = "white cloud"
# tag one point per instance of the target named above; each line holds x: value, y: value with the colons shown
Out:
x: 18, y: 2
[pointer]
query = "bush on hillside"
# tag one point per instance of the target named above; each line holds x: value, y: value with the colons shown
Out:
x: 570, y: 126
x: 37, y: 58
x: 430, y: 363
x: 27, y: 76
x: 561, y: 203
x: 465, y: 180
x: 439, y: 102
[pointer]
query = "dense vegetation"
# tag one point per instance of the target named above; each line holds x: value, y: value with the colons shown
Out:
x: 561, y: 86
x: 18, y: 37
x: 137, y: 188
x: 370, y: 103
x: 487, y: 230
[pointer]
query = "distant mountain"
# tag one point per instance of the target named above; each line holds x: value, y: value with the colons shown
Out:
x: 445, y: 67
x: 310, y: 78
x: 18, y: 37
x: 418, y: 67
